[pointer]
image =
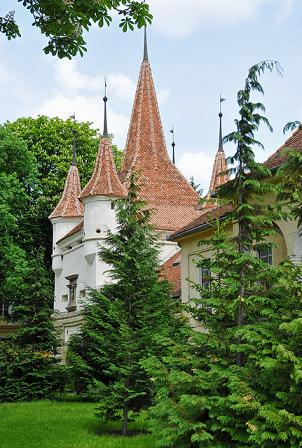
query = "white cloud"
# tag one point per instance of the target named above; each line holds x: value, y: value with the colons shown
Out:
x: 196, y: 164
x: 284, y: 10
x: 86, y: 108
x: 180, y: 18
x: 163, y: 96
x: 81, y: 93
x: 69, y: 77
x: 121, y: 86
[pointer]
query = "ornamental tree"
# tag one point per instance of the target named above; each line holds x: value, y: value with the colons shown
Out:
x: 129, y: 318
x: 236, y: 382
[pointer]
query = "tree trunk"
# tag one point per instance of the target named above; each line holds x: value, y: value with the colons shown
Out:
x: 125, y: 419
x: 241, y: 241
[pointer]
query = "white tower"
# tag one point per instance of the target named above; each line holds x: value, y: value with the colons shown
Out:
x: 98, y: 198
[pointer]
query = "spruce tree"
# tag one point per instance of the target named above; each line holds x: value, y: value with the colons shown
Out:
x: 129, y: 318
x: 236, y: 383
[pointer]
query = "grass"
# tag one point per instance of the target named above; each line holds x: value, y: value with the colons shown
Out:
x: 51, y: 424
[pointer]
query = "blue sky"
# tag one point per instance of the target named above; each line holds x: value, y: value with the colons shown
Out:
x: 197, y: 51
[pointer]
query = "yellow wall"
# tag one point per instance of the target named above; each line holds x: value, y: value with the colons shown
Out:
x: 190, y: 250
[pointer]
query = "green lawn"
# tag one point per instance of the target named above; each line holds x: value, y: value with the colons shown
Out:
x: 50, y: 424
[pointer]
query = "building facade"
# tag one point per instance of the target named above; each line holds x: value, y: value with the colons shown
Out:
x: 287, y: 241
x: 83, y: 216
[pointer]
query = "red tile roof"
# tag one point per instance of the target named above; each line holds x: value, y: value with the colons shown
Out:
x: 104, y: 180
x: 279, y: 156
x: 69, y: 205
x: 172, y: 217
x: 203, y: 219
x: 274, y: 161
x: 220, y: 166
x: 171, y: 271
x: 162, y: 185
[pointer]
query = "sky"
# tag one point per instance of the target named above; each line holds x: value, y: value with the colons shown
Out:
x: 198, y: 49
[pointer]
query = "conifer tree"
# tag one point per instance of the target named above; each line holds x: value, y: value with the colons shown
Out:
x: 236, y: 383
x: 130, y: 317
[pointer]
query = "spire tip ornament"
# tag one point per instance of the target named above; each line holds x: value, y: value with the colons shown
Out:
x: 220, y: 144
x: 105, y: 99
x: 173, y: 145
x: 74, y: 147
x: 145, y: 45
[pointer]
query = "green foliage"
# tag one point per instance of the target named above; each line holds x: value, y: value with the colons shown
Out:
x: 291, y: 182
x: 236, y: 383
x: 196, y: 186
x: 26, y: 374
x: 17, y: 177
x: 34, y: 307
x: 64, y: 22
x: 25, y: 282
x: 128, y: 319
x: 49, y: 141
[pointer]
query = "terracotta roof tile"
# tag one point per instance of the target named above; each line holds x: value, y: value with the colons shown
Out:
x: 204, y: 218
x: 172, y: 217
x: 279, y: 156
x: 69, y: 205
x: 104, y: 180
x: 220, y: 166
x: 162, y: 185
x: 171, y: 271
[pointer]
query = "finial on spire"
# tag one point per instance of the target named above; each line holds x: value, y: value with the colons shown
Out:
x: 173, y: 145
x: 220, y: 144
x: 105, y: 99
x: 145, y: 45
x: 74, y: 147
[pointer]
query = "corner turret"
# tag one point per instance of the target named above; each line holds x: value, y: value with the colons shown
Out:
x: 69, y: 211
x: 99, y: 194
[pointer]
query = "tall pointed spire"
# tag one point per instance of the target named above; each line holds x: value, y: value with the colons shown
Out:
x: 69, y: 205
x: 162, y: 186
x: 145, y: 45
x: 105, y: 99
x: 104, y: 180
x: 219, y: 171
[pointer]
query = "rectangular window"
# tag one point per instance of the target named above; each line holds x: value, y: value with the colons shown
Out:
x: 205, y: 282
x: 205, y: 277
x: 72, y: 286
x: 266, y: 255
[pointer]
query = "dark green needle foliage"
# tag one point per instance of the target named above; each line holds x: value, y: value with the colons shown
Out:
x: 129, y: 318
x: 236, y: 382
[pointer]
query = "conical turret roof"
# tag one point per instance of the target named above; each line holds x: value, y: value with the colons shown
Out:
x: 69, y: 205
x: 104, y: 180
x: 219, y: 171
x: 163, y: 187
